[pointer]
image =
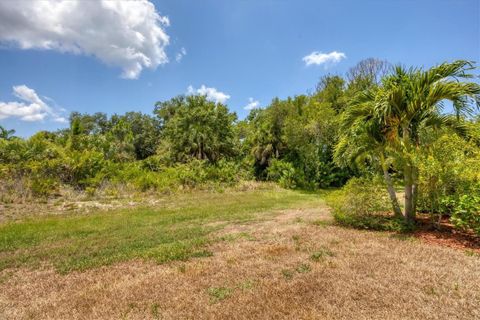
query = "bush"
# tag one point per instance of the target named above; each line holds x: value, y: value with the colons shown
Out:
x: 84, y: 167
x: 361, y: 197
x: 153, y: 175
x: 449, y: 169
x: 282, y: 172
x: 43, y: 187
x: 364, y: 204
x: 466, y: 213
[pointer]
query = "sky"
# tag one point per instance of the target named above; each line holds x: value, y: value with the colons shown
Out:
x: 118, y: 56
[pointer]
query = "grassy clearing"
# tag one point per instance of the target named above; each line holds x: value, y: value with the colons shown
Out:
x: 173, y: 232
x: 263, y: 261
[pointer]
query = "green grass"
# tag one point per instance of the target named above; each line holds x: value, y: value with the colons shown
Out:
x: 303, y: 268
x: 321, y: 254
x: 178, y: 231
x: 219, y: 294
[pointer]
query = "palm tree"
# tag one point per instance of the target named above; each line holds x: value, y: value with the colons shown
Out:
x: 363, y: 140
x: 409, y: 100
x: 6, y: 134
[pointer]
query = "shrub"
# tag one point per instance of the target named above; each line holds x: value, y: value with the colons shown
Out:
x: 83, y: 168
x: 282, y: 172
x: 43, y: 187
x: 466, y: 213
x: 362, y: 196
x: 449, y: 169
x: 363, y: 203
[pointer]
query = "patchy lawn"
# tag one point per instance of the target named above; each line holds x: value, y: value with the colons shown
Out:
x: 175, y: 231
x: 262, y: 254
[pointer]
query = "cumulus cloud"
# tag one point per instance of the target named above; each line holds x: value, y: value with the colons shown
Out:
x: 126, y: 34
x: 212, y: 94
x: 31, y: 108
x: 327, y: 59
x: 252, y: 104
x: 180, y: 55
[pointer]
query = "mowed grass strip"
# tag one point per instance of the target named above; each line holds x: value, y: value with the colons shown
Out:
x: 178, y: 231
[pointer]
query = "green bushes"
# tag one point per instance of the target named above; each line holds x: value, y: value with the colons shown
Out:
x: 466, y: 212
x: 362, y: 197
x: 282, y: 172
x: 89, y: 171
x: 363, y: 204
x: 449, y: 181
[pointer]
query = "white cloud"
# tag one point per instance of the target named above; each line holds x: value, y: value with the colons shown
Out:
x: 32, y: 108
x: 180, y: 55
x: 212, y: 94
x: 126, y: 34
x: 327, y: 59
x: 252, y: 104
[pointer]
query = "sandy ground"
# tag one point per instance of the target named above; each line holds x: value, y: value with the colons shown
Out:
x: 295, y: 265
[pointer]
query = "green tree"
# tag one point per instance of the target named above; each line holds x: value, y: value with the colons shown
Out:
x: 331, y: 90
x: 6, y: 134
x: 194, y: 127
x: 96, y: 123
x: 119, y: 142
x: 363, y: 143
x: 411, y: 100
x: 145, y: 130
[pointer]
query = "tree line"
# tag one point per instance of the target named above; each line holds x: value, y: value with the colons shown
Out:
x: 377, y: 121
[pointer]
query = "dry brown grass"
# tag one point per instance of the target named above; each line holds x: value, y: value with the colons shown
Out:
x: 264, y: 270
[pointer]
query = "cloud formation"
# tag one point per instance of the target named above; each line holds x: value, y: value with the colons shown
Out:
x: 126, y: 34
x: 181, y: 54
x: 212, y: 94
x: 31, y: 108
x: 327, y: 59
x: 252, y: 104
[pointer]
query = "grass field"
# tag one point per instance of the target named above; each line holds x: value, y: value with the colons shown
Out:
x: 176, y: 231
x: 265, y: 254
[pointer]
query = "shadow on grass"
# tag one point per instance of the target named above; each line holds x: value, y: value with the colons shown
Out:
x: 378, y: 222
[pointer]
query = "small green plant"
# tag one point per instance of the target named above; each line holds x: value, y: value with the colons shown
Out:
x: 303, y: 268
x: 202, y: 254
x: 182, y: 268
x: 472, y: 253
x: 246, y: 285
x: 321, y: 254
x: 219, y: 293
x: 154, y: 310
x: 298, y: 220
x: 288, y: 274
x: 322, y: 223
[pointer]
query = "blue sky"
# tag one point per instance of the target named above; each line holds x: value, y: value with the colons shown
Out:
x: 243, y: 49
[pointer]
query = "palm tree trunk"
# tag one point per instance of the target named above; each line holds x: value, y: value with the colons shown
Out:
x: 409, y: 197
x: 391, y: 190
x: 393, y: 196
x: 408, y: 180
x: 415, y: 190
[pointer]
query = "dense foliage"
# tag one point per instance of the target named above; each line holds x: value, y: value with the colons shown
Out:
x: 385, y: 126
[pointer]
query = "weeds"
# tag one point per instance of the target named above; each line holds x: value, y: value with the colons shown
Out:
x: 321, y: 254
x: 219, y: 293
x: 303, y: 268
x: 288, y: 274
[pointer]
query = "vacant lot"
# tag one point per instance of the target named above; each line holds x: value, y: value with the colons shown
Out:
x: 247, y: 255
